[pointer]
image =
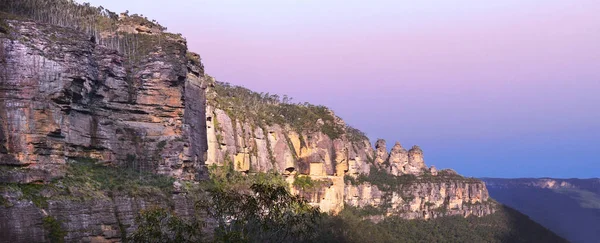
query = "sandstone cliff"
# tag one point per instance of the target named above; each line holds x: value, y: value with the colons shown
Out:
x: 123, y: 93
x: 64, y: 96
x: 131, y: 98
x: 245, y: 130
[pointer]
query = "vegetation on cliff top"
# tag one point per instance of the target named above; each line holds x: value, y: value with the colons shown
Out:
x: 390, y: 183
x: 264, y: 108
x: 133, y: 36
x: 67, y: 13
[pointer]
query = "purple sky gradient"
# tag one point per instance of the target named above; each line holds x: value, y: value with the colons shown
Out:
x: 501, y: 89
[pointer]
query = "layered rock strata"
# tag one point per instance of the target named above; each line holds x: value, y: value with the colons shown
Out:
x: 63, y: 96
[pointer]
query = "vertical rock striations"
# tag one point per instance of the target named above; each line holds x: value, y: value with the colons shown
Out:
x: 128, y: 95
x: 63, y: 96
x: 345, y: 169
x: 381, y: 151
x: 398, y: 160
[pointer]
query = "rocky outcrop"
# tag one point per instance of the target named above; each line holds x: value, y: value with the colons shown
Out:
x: 416, y: 163
x: 136, y: 98
x: 341, y: 167
x: 63, y: 96
x: 424, y: 199
x: 251, y: 148
x: 97, y: 220
x: 381, y: 152
x: 398, y: 160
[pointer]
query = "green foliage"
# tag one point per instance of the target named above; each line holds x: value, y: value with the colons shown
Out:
x: 85, y: 175
x: 307, y: 184
x: 348, y: 179
x: 243, y: 104
x: 4, y: 27
x: 266, y: 214
x: 161, y: 145
x: 85, y: 179
x: 368, y: 210
x: 4, y: 202
x: 67, y: 13
x: 161, y: 225
x: 33, y: 192
x: 226, y: 178
x: 55, y: 232
x: 355, y: 135
x: 506, y: 225
x: 386, y: 181
x: 193, y: 57
x: 30, y: 192
x: 104, y: 28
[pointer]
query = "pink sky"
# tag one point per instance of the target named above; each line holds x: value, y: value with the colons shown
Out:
x: 483, y: 86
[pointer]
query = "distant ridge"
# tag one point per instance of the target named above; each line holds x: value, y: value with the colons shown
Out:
x: 569, y: 207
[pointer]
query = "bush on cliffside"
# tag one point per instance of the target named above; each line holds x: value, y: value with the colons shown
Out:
x: 161, y: 225
x: 267, y: 214
x: 55, y: 232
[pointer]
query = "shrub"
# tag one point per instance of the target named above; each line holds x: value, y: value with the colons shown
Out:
x: 161, y: 225
x: 266, y: 214
x: 55, y: 232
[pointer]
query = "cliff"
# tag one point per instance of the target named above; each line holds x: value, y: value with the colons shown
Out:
x: 257, y: 132
x: 102, y: 115
x: 65, y: 96
x: 131, y: 99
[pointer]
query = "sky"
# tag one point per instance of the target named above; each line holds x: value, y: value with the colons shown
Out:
x: 489, y: 88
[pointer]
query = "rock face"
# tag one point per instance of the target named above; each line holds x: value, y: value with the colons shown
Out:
x: 343, y: 164
x: 381, y: 151
x: 398, y: 160
x: 147, y: 105
x: 416, y: 164
x: 423, y: 199
x: 100, y: 220
x: 62, y: 96
x: 253, y: 148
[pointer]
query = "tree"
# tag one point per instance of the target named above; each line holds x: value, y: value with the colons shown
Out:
x: 266, y: 214
x: 161, y: 225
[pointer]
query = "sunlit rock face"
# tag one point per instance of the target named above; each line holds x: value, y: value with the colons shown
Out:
x: 398, y: 160
x: 253, y: 147
x: 64, y: 96
x: 416, y: 163
x: 424, y: 199
x: 381, y: 155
